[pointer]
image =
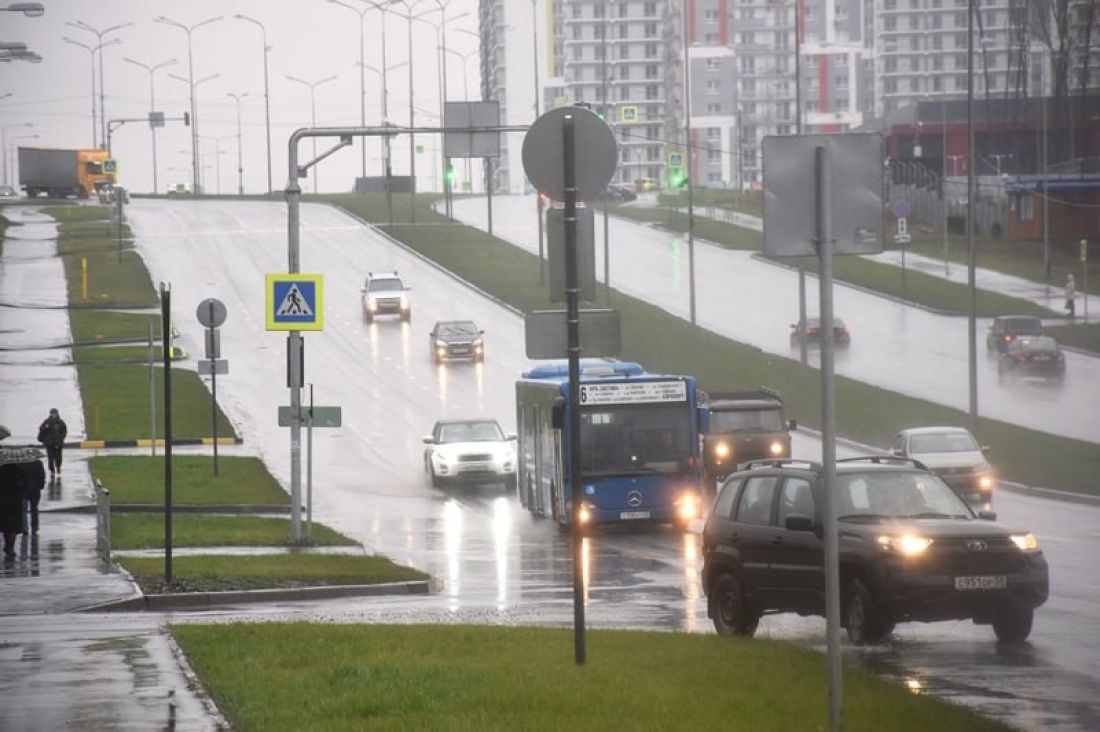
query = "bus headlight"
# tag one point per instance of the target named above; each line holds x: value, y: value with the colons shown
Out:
x: 776, y: 447
x: 722, y: 450
x: 687, y: 507
x: 584, y: 514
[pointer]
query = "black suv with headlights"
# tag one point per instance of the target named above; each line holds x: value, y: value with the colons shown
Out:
x: 909, y: 549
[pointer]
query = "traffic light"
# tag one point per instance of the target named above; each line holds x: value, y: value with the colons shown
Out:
x: 450, y: 175
x: 676, y: 178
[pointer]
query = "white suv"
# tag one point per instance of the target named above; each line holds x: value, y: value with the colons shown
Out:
x: 385, y: 294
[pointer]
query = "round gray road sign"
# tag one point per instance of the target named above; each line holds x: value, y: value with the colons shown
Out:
x: 595, y: 153
x: 211, y: 312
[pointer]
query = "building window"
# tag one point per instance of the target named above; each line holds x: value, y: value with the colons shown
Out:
x: 710, y: 16
x: 714, y: 156
x: 1027, y: 208
x: 713, y: 87
x: 650, y: 10
x: 650, y: 30
x: 714, y: 133
x: 624, y: 31
x: 713, y: 64
x: 714, y: 177
x: 651, y: 71
x: 651, y: 50
x: 710, y: 39
x: 714, y: 108
x: 652, y: 91
x: 890, y: 86
x: 624, y: 72
x: 624, y: 51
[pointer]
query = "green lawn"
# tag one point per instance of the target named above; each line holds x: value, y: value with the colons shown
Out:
x: 90, y: 326
x: 663, y: 342
x: 751, y: 203
x: 77, y: 213
x: 114, y: 281
x: 105, y: 229
x: 140, y: 479
x: 295, y: 676
x: 1079, y: 336
x: 74, y: 247
x: 116, y: 354
x: 213, y: 573
x: 116, y: 403
x: 146, y: 531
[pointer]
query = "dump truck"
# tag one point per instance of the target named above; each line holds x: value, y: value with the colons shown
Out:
x: 742, y: 425
x: 64, y: 173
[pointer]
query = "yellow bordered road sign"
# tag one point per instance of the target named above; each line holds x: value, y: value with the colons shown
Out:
x: 295, y: 301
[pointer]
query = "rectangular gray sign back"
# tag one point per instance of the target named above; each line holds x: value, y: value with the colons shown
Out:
x: 600, y: 333
x: 469, y: 144
x: 855, y: 185
x: 586, y: 253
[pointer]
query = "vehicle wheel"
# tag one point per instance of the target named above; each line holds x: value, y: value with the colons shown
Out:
x: 1012, y: 623
x: 406, y: 316
x: 864, y: 621
x: 434, y: 479
x: 730, y: 611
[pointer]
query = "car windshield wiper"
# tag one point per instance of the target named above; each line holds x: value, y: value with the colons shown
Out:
x: 875, y: 516
x: 934, y: 514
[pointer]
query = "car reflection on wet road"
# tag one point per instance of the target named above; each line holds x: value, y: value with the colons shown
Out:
x: 493, y: 562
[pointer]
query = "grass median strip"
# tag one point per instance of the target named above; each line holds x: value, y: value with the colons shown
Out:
x: 146, y: 531
x: 217, y: 573
x: 140, y: 479
x: 663, y: 342
x: 90, y: 326
x: 114, y: 281
x: 290, y: 676
x: 76, y: 213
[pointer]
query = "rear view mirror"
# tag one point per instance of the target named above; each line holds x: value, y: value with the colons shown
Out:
x: 986, y: 448
x: 987, y: 515
x: 792, y: 425
x: 428, y: 439
x: 510, y: 436
x: 557, y: 414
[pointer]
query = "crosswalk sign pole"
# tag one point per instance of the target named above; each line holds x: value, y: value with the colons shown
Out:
x: 294, y: 362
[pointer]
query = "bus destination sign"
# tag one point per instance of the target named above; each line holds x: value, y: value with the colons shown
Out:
x: 633, y: 392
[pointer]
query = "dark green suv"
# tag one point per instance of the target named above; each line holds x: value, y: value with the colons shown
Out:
x: 910, y: 550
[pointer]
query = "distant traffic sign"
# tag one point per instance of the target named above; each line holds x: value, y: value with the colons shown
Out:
x: 901, y: 209
x: 295, y: 302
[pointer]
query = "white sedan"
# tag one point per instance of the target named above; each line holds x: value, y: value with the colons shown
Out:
x: 470, y: 451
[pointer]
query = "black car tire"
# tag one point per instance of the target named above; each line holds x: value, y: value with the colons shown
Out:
x: 434, y: 479
x: 730, y: 610
x: 864, y: 620
x: 1012, y: 623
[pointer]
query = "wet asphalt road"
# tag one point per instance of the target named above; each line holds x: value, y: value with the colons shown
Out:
x: 493, y: 563
x: 901, y: 348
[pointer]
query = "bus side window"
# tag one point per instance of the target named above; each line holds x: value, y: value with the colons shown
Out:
x: 557, y: 414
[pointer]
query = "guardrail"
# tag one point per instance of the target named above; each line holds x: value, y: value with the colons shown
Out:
x: 102, y: 521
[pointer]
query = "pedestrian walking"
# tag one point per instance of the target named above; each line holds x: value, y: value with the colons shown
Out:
x: 13, y: 491
x: 34, y: 480
x: 52, y: 433
x: 1071, y: 296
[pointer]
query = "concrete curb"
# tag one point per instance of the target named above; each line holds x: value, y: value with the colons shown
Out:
x: 234, y: 508
x: 214, y: 600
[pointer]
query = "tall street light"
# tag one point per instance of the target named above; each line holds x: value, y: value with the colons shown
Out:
x: 465, y: 92
x: 4, y: 145
x: 152, y: 70
x: 92, y: 51
x: 240, y: 159
x: 689, y: 150
x: 14, y: 157
x: 218, y: 152
x: 81, y: 25
x: 362, y: 13
x: 194, y: 85
x: 409, y: 18
x: 267, y: 99
x: 441, y: 5
x: 189, y: 29
x: 971, y: 259
x: 313, y: 113
x: 385, y: 109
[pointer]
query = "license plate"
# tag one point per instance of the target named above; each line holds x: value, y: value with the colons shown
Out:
x: 984, y: 582
x: 633, y: 515
x: 1040, y: 358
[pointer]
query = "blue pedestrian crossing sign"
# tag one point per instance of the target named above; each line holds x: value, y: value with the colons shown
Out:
x: 295, y: 302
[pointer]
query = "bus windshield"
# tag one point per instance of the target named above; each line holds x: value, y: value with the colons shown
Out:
x: 635, y: 438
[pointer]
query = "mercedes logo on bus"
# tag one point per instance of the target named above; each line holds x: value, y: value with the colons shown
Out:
x: 634, y: 498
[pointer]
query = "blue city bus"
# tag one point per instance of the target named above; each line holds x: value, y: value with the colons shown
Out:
x: 640, y: 444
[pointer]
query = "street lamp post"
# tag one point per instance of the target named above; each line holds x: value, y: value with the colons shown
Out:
x: 14, y: 157
x: 312, y: 85
x: 92, y: 50
x: 4, y: 146
x: 81, y: 25
x: 971, y: 258
x: 409, y: 18
x: 267, y: 98
x: 196, y: 188
x: 689, y: 155
x: 447, y: 192
x: 152, y: 106
x: 362, y: 13
x: 193, y: 86
x: 538, y: 93
x: 240, y: 158
x: 385, y: 111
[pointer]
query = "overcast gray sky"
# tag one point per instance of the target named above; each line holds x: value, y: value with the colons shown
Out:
x: 310, y: 39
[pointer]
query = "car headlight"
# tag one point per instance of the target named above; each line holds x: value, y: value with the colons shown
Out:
x: 372, y: 304
x: 722, y: 450
x: 584, y: 514
x: 441, y: 349
x: 776, y: 447
x: 985, y: 481
x: 906, y: 545
x: 404, y: 302
x: 1026, y: 542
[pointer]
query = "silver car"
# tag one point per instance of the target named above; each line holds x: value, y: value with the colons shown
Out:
x: 465, y: 451
x: 954, y: 455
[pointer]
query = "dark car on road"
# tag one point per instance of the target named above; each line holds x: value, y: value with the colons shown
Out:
x: 1008, y: 328
x: 810, y: 332
x: 740, y: 426
x: 456, y: 339
x: 909, y: 550
x: 618, y: 193
x: 1038, y: 356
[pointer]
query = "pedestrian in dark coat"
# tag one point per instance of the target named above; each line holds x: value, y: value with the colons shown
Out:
x: 52, y: 433
x: 34, y: 480
x: 12, y: 493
